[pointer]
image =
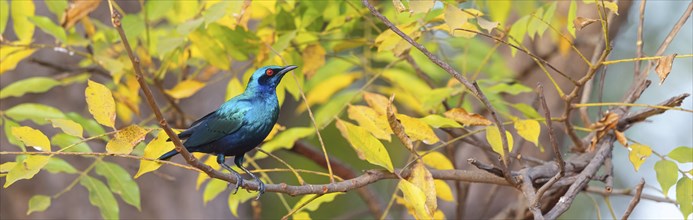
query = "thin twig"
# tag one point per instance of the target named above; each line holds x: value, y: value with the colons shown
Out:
x: 554, y: 145
x: 639, y: 43
x: 635, y: 200
x: 628, y: 192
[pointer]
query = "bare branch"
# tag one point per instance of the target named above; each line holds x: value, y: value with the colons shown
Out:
x: 635, y: 200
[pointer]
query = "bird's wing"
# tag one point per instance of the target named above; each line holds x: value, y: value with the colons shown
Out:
x: 214, y: 126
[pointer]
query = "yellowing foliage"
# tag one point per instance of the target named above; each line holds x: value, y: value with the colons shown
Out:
x: 101, y: 104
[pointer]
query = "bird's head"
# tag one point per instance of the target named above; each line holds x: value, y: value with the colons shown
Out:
x: 268, y: 77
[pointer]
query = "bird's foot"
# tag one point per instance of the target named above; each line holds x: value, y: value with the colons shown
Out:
x: 239, y: 182
x: 260, y: 188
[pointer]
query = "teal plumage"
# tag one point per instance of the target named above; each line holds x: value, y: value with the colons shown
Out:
x: 240, y: 124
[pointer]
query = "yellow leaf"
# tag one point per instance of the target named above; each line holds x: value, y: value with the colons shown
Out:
x: 467, y: 119
x: 417, y: 129
x: 285, y: 140
x: 314, y: 58
x: 26, y: 169
x: 68, y: 126
x: 494, y: 139
x: 437, y: 160
x: 420, y: 6
x: 315, y: 204
x: 324, y: 90
x: 301, y: 215
x: 275, y: 129
x: 369, y: 119
x: 185, y: 89
x: 415, y: 198
x: 443, y: 191
x: 438, y: 215
x: 23, y: 28
x: 236, y: 199
x: 664, y: 67
x: 10, y: 57
x: 613, y: 7
x: 366, y: 146
x: 438, y: 121
x: 32, y: 137
x: 422, y: 178
x: 201, y: 176
x: 126, y: 139
x: 638, y: 154
x: 529, y: 130
x: 234, y: 88
x: 101, y: 104
x: 500, y: 10
x: 454, y: 17
x: 377, y: 102
x: 154, y: 149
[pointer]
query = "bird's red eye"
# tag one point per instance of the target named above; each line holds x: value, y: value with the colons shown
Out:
x: 269, y: 72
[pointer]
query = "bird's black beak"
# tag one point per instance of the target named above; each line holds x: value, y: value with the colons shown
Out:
x: 286, y: 69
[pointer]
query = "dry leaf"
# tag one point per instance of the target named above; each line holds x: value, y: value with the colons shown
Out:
x: 397, y: 127
x: 603, y: 126
x: 399, y: 6
x: 467, y: 119
x: 581, y: 22
x: 664, y: 67
x: 77, y: 11
x: 621, y: 138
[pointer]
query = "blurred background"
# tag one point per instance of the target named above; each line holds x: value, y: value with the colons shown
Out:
x: 171, y: 192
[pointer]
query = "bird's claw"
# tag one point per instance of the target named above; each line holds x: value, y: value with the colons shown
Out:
x: 239, y: 182
x: 260, y: 188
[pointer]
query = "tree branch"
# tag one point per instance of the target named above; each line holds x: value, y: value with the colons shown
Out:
x: 635, y: 200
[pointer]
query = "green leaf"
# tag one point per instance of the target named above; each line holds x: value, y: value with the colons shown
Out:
x: 213, y: 189
x: 4, y: 15
x: 75, y: 144
x: 514, y: 89
x: 285, y: 140
x: 215, y: 12
x: 92, y: 127
x: 527, y: 110
x: 572, y: 12
x: 667, y: 173
x: 57, y: 7
x: 45, y: 24
x: 133, y: 26
x: 38, y: 203
x: 38, y: 113
x: 157, y: 9
x: 548, y: 16
x: 682, y: 154
x: 101, y: 197
x: 438, y: 121
x: 29, y: 85
x: 26, y: 169
x: 57, y: 165
x: 499, y: 10
x: 684, y: 196
x: 121, y: 182
x: 189, y: 26
x: 21, y: 11
x: 68, y: 126
x: 518, y: 31
x: 329, y: 110
x: 366, y: 146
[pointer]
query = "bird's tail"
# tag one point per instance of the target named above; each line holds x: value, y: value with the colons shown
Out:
x: 168, y: 155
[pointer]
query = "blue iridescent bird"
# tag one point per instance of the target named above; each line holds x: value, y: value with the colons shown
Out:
x: 240, y: 124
